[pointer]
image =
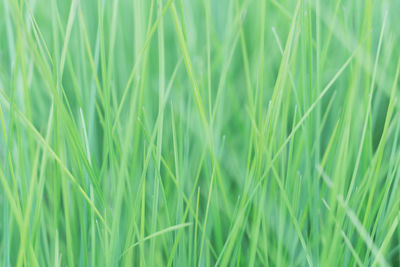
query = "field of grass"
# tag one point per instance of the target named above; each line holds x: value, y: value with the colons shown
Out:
x: 199, y: 133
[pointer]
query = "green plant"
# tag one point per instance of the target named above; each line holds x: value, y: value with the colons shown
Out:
x: 199, y: 133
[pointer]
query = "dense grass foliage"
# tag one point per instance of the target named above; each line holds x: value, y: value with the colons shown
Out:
x: 199, y: 133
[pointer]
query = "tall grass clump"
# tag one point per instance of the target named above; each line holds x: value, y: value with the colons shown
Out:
x: 199, y: 133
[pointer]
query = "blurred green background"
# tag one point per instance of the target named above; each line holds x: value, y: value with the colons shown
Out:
x: 199, y: 133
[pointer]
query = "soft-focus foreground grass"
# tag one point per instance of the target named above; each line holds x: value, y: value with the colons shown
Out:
x: 199, y: 133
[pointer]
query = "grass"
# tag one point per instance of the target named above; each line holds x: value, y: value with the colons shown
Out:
x: 199, y: 133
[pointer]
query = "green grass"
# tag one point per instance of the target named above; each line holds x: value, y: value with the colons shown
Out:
x: 199, y: 133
